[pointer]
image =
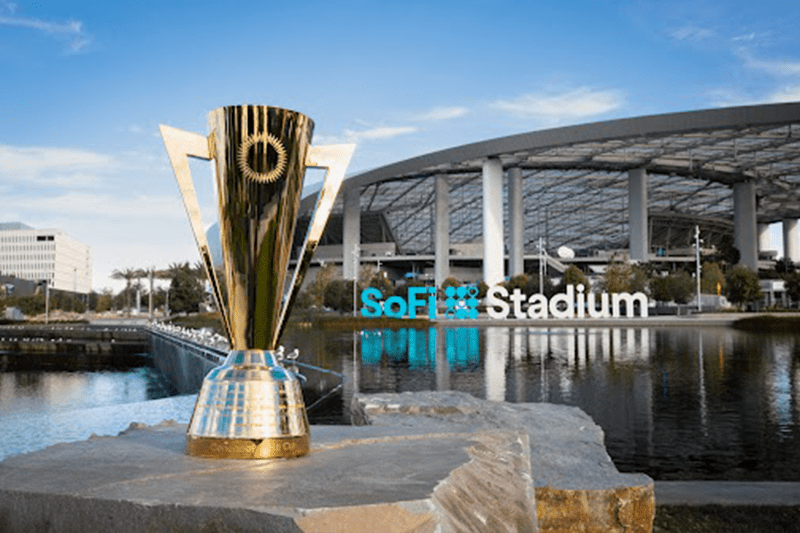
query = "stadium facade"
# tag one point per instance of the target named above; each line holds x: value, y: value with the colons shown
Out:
x: 633, y: 188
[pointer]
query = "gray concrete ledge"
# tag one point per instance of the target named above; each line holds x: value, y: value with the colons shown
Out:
x: 695, y: 493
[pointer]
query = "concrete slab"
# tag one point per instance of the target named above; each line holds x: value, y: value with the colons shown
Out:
x: 355, y: 479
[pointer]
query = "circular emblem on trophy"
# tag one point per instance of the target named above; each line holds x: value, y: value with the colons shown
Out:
x: 269, y: 141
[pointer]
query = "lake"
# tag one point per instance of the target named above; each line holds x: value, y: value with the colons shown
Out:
x: 675, y: 403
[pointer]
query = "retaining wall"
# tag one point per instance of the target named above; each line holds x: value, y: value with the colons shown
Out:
x: 185, y: 362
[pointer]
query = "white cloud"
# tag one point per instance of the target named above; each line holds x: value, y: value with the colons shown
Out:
x: 727, y: 98
x: 789, y: 93
x: 53, y: 166
x: 380, y: 132
x: 100, y: 206
x: 776, y: 67
x: 747, y: 37
x: 72, y: 29
x: 691, y: 33
x: 125, y: 229
x: 441, y: 113
x: 573, y: 104
x: 371, y: 134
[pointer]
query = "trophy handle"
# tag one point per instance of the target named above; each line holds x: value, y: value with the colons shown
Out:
x: 334, y: 158
x: 180, y: 146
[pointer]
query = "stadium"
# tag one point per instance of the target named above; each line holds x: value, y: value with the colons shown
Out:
x: 635, y: 189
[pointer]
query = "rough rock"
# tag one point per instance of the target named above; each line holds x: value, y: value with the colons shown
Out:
x: 356, y: 479
x: 578, y: 488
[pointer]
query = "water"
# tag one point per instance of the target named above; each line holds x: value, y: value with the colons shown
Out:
x: 42, y: 408
x: 710, y: 403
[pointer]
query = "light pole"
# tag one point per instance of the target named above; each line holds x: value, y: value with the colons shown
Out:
x: 541, y: 267
x: 46, y: 301
x: 150, y: 299
x: 356, y: 261
x: 697, y: 265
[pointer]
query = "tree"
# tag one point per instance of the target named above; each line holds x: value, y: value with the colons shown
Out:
x: 520, y: 282
x: 573, y: 276
x: 727, y: 253
x: 128, y: 275
x: 617, y: 277
x: 186, y: 291
x: 640, y: 278
x: 742, y: 286
x: 784, y: 266
x: 314, y: 295
x: 448, y: 282
x: 103, y: 302
x: 402, y: 289
x: 675, y: 287
x: 371, y: 277
x: 711, y: 278
x: 793, y: 286
x: 339, y: 295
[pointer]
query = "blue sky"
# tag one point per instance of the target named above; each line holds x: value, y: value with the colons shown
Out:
x: 86, y: 84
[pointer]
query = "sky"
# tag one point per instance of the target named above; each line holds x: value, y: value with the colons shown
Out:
x: 85, y: 85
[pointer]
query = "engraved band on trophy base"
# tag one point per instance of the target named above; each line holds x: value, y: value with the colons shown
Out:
x: 252, y: 406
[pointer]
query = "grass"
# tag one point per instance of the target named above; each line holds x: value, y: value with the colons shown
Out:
x: 726, y: 518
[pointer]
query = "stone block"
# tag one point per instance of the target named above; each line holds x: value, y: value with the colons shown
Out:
x: 354, y: 480
x: 577, y: 486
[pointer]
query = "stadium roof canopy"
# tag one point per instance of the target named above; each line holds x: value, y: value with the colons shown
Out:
x: 575, y: 182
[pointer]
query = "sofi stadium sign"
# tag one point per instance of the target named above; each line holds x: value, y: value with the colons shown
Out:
x: 462, y: 302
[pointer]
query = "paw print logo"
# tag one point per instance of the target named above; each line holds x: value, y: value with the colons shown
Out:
x: 461, y: 302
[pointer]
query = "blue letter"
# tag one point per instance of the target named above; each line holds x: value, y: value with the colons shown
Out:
x: 401, y: 304
x: 413, y: 303
x: 365, y: 295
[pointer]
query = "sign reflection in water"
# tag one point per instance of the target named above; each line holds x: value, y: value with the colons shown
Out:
x: 418, y: 347
x: 711, y: 403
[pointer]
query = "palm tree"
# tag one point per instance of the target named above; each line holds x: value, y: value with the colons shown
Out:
x: 169, y: 273
x: 127, y: 274
x: 150, y: 274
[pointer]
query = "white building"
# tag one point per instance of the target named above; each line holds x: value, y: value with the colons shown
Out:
x: 45, y: 254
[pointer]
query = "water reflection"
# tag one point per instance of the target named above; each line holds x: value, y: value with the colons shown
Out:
x: 40, y: 408
x: 695, y: 403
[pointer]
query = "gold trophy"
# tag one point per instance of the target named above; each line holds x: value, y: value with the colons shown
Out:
x: 251, y: 406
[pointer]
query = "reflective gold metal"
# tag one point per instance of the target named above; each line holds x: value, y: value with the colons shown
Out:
x: 252, y: 406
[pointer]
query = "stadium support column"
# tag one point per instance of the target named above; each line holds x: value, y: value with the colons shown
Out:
x: 791, y: 240
x: 516, y: 260
x: 442, y: 228
x: 639, y: 248
x: 744, y: 223
x: 493, y: 256
x: 764, y: 242
x: 351, y: 233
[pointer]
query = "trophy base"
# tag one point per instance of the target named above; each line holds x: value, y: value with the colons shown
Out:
x: 269, y: 448
x: 250, y: 407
